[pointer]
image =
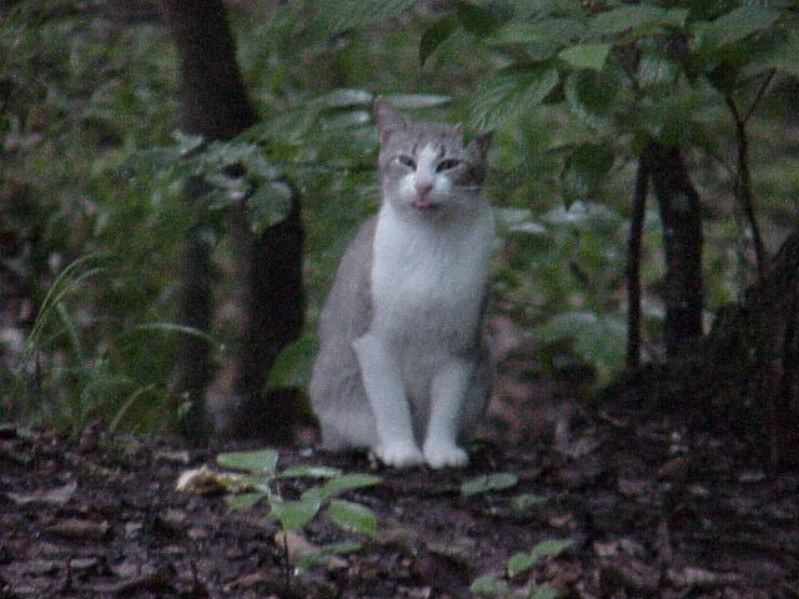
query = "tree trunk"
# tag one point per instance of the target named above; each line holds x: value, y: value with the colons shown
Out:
x: 271, y: 267
x: 215, y: 106
x: 746, y: 366
x: 741, y: 379
x: 681, y: 218
x: 214, y: 100
x: 192, y: 362
x: 637, y: 213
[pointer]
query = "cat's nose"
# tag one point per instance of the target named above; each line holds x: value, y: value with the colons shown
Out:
x: 423, y: 188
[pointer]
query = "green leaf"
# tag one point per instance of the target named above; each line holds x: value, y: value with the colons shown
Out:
x: 544, y: 593
x: 245, y: 501
x: 671, y: 119
x: 734, y: 26
x: 552, y: 547
x: 481, y: 19
x: 591, y: 95
x: 294, y: 514
x: 304, y: 471
x: 636, y: 20
x: 522, y: 503
x: 725, y: 77
x: 489, y: 482
x: 347, y: 119
x: 586, y: 56
x: 435, y: 35
x: 598, y: 340
x: 342, y: 15
x: 344, y: 98
x: 260, y: 461
x: 491, y: 585
x: 657, y: 71
x: 624, y: 18
x: 187, y: 143
x: 585, y: 168
x: 322, y: 557
x: 342, y: 483
x: 523, y: 561
x: 353, y: 517
x: 782, y: 53
x: 541, y: 38
x: 412, y: 101
x: 270, y: 205
x: 511, y: 92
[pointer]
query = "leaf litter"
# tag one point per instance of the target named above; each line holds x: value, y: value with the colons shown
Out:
x: 631, y: 517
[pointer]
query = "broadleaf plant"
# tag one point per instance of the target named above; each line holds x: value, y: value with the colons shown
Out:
x: 293, y: 514
x: 495, y: 585
x: 498, y: 481
x: 585, y: 86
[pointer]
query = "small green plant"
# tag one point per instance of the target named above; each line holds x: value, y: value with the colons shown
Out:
x: 497, y: 481
x: 55, y: 333
x: 502, y: 481
x: 64, y: 376
x: 495, y: 585
x: 263, y: 481
x: 524, y: 502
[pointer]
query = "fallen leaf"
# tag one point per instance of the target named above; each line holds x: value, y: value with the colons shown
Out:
x: 83, y: 564
x: 618, y: 547
x: 394, y: 532
x: 40, y: 567
x: 57, y: 496
x: 701, y: 578
x: 675, y: 470
x: 204, y: 481
x: 630, y: 575
x: 75, y: 528
x: 299, y: 547
x: 460, y: 549
x: 174, y: 457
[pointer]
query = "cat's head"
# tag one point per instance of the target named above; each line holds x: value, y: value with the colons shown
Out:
x: 425, y: 168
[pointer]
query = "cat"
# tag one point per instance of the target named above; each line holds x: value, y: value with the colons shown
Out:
x: 402, y: 368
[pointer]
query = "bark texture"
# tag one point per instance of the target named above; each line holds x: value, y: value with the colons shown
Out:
x: 750, y: 355
x: 215, y: 106
x: 680, y: 215
x: 681, y: 218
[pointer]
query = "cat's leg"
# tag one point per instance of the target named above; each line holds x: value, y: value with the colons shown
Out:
x: 382, y: 379
x: 339, y: 399
x: 477, y: 396
x: 447, y: 395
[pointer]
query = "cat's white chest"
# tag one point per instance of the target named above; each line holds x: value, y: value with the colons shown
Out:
x: 428, y: 283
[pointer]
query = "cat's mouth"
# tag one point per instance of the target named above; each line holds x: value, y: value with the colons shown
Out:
x: 425, y: 205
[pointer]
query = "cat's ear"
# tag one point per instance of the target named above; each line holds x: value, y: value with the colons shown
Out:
x: 479, y: 146
x: 388, y: 120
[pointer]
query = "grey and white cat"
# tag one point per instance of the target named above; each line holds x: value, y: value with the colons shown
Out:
x: 401, y: 368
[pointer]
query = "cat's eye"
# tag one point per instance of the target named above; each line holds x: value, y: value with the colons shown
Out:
x: 407, y: 161
x: 446, y: 165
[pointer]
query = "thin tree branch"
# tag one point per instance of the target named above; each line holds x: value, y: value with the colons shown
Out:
x: 759, y: 95
x: 742, y: 186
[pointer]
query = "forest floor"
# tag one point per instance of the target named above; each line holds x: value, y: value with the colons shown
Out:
x: 652, y: 510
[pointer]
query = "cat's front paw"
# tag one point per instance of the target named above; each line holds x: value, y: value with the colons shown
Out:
x: 445, y: 456
x: 400, y: 455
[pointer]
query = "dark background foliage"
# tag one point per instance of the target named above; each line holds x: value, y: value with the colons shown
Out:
x: 585, y: 99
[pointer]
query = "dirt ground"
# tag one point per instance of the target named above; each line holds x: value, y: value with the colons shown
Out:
x: 652, y: 509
